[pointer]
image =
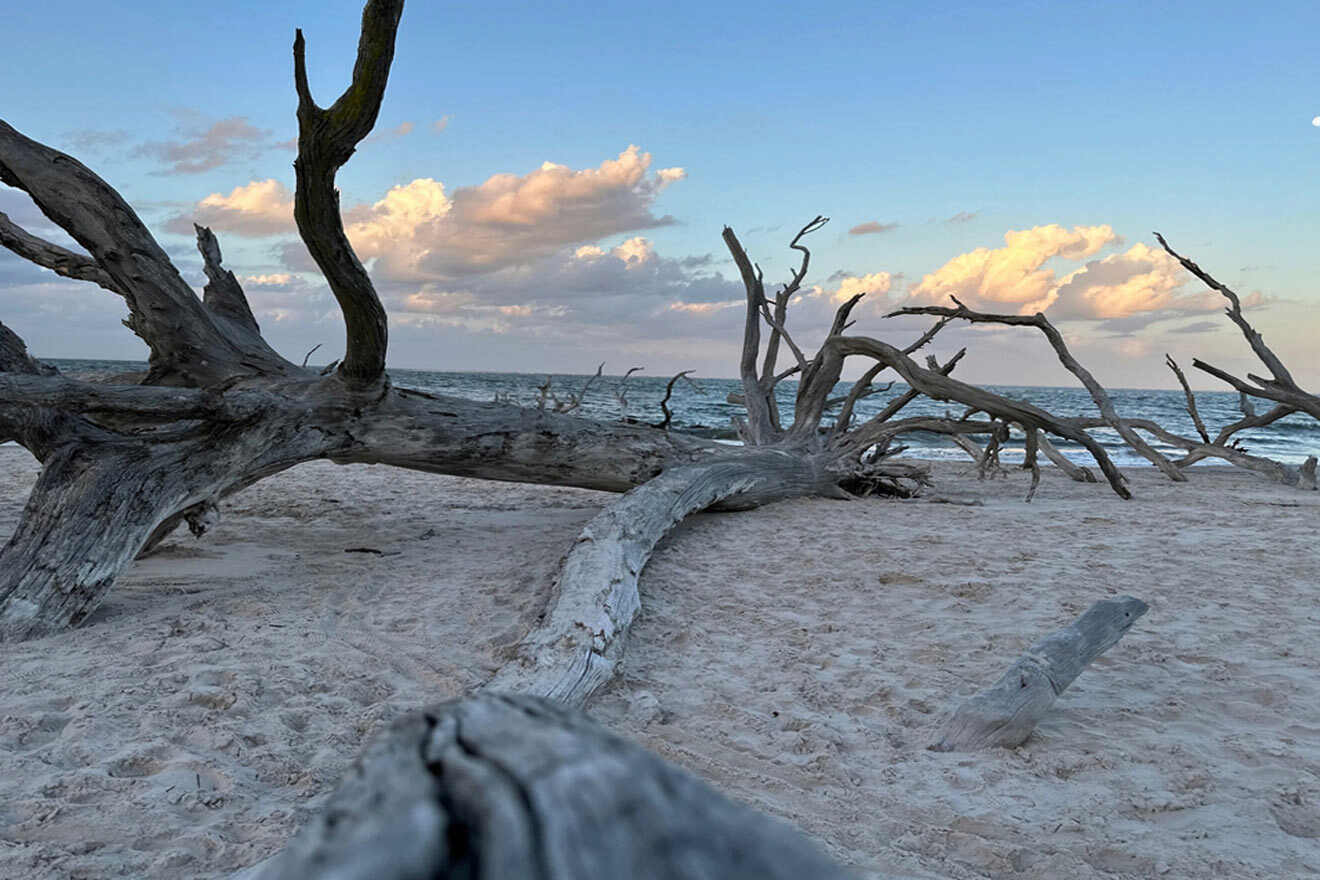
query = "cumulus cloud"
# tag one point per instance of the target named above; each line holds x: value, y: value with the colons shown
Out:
x: 271, y: 281
x: 872, y: 227
x: 1141, y: 280
x: 1124, y: 291
x: 202, y: 147
x: 1014, y: 275
x: 419, y: 232
x: 254, y: 210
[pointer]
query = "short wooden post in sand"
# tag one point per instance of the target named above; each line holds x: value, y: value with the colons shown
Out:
x: 1005, y: 713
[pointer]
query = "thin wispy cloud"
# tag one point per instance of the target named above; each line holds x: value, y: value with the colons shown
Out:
x: 403, y: 129
x: 95, y: 140
x: 202, y: 147
x: 962, y: 217
x: 872, y: 227
x: 440, y: 124
x: 1197, y: 327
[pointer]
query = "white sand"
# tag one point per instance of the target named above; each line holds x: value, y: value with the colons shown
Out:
x: 799, y: 657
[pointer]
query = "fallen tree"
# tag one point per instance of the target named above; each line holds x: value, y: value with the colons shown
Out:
x: 123, y: 465
x: 219, y: 409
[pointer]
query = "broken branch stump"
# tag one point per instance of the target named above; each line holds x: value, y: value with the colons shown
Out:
x: 1005, y: 713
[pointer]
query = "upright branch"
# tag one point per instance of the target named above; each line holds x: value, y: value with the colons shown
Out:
x: 222, y: 294
x: 1281, y: 388
x: 763, y: 422
x: 663, y: 424
x: 762, y: 412
x: 326, y: 140
x: 1191, y: 398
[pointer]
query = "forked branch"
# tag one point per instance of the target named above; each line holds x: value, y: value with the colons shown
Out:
x: 326, y: 140
x: 1282, y: 388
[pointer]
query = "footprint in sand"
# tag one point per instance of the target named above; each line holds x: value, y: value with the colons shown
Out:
x: 1295, y: 815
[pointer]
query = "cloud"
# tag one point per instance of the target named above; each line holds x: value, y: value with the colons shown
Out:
x: 872, y: 227
x: 254, y: 210
x: 420, y: 232
x: 203, y: 148
x: 1141, y: 280
x: 1013, y: 275
x: 89, y: 139
x: 403, y: 129
x: 1196, y: 327
x: 1124, y: 291
x: 962, y: 217
x: 270, y: 281
x: 1140, y: 286
x: 573, y: 291
x: 440, y: 124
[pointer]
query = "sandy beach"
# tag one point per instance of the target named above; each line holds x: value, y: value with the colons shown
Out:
x: 800, y: 658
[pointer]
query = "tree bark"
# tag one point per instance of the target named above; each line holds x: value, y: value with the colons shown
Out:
x: 505, y: 787
x: 579, y: 645
x: 1006, y: 713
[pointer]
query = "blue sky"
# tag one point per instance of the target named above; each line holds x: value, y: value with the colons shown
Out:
x: 1016, y: 154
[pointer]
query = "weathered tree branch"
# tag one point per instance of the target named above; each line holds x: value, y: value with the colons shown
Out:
x: 1282, y: 388
x: 510, y: 787
x: 223, y: 295
x: 14, y: 357
x: 1008, y: 711
x: 762, y: 411
x: 326, y: 140
x: 1075, y: 472
x: 935, y: 384
x: 187, y: 346
x: 580, y: 643
x: 1191, y: 398
x: 1096, y: 390
x: 53, y: 257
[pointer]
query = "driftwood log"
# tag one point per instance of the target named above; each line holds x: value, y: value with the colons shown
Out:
x: 511, y: 787
x: 1006, y: 713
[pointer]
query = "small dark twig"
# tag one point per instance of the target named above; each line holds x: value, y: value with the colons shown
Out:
x: 669, y: 390
x: 1191, y: 400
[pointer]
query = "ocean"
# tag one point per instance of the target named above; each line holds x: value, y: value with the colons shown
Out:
x: 703, y: 408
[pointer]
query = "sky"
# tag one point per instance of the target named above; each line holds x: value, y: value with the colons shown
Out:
x: 547, y: 183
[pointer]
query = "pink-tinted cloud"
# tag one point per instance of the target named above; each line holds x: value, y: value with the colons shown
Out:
x: 872, y: 227
x: 202, y: 148
x: 1012, y: 276
x: 419, y: 232
x: 1141, y: 280
x: 254, y: 210
x: 385, y: 136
